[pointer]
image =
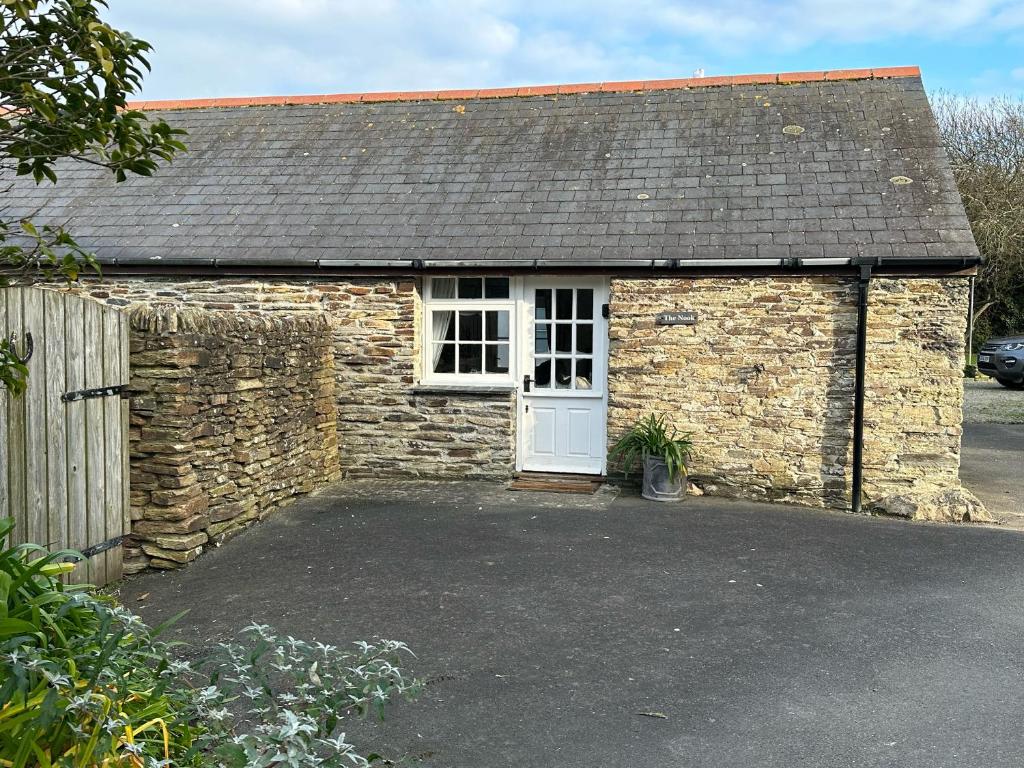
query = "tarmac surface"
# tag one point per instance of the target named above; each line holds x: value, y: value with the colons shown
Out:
x: 591, y: 631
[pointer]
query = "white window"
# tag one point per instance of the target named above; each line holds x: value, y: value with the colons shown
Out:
x: 470, y: 333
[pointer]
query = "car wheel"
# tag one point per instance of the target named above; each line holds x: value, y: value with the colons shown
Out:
x: 1011, y: 384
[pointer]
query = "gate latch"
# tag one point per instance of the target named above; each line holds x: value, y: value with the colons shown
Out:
x: 86, y: 394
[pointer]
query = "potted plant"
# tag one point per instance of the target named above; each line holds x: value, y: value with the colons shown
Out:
x: 664, y: 453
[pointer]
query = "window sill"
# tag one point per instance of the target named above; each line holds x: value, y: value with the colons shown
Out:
x: 463, y: 389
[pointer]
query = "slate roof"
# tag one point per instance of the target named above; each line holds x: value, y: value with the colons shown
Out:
x: 755, y: 167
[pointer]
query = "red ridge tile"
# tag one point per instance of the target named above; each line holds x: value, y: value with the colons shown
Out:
x: 579, y: 88
x: 800, y: 77
x: 762, y: 79
x: 532, y: 90
x: 896, y: 72
x: 848, y: 74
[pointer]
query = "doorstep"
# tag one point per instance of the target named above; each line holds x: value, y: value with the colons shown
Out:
x: 556, y: 482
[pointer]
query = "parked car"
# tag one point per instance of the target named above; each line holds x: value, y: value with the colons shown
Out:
x: 1003, y: 359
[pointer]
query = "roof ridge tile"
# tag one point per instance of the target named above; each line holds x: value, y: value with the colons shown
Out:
x: 625, y: 86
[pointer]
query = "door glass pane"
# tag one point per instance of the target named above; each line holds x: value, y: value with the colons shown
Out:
x: 471, y: 358
x: 585, y: 304
x: 542, y: 339
x: 563, y: 338
x: 584, y: 374
x: 495, y: 287
x: 497, y: 326
x: 542, y: 304
x: 563, y: 373
x: 443, y: 329
x: 497, y: 358
x: 563, y: 303
x: 443, y: 288
x: 471, y: 288
x: 584, y: 338
x: 471, y: 326
x: 542, y: 372
x: 444, y: 358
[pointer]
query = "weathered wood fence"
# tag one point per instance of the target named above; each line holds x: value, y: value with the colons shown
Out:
x: 64, y: 442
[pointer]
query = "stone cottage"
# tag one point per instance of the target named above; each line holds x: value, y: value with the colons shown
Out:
x: 492, y: 281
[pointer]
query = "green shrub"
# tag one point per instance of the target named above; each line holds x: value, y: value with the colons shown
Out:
x: 83, y: 680
x: 278, y: 701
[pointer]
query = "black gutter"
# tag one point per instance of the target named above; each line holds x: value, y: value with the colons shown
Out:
x: 185, y: 267
x: 863, y: 287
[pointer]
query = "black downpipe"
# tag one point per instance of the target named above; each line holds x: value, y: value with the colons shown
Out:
x: 858, y: 388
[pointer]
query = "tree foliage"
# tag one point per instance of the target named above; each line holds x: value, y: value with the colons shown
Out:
x: 985, y: 142
x: 65, y: 77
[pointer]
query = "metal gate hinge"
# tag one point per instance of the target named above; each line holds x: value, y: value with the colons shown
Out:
x: 103, y: 546
x: 85, y: 394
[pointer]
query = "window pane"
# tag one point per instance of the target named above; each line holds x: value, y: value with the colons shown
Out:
x: 542, y: 372
x: 471, y: 326
x: 585, y: 304
x: 563, y: 373
x: 542, y: 338
x: 563, y: 303
x: 471, y: 288
x: 442, y: 288
x: 444, y: 358
x: 496, y: 288
x: 542, y: 304
x: 442, y: 327
x: 584, y: 374
x: 497, y: 326
x: 563, y: 338
x: 471, y: 358
x: 585, y: 338
x: 497, y: 358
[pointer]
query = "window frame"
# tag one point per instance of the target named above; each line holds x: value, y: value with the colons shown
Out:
x: 431, y: 305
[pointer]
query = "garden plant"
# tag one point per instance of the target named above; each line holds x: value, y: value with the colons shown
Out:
x: 84, y: 682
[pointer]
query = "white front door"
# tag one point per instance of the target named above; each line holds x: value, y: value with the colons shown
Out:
x: 563, y: 393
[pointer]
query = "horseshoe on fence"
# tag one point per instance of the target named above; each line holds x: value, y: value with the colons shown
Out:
x: 29, y: 347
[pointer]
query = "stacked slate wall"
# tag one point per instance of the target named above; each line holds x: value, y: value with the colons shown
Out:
x: 232, y: 416
x: 387, y: 426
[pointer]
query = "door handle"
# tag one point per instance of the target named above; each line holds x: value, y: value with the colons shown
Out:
x: 526, y: 383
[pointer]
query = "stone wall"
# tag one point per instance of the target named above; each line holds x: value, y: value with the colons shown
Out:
x: 232, y: 415
x: 913, y: 401
x: 764, y: 381
x: 386, y: 425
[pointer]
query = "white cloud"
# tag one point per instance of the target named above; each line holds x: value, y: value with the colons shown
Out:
x: 220, y: 47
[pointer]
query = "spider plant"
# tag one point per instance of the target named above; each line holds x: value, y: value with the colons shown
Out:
x: 651, y: 436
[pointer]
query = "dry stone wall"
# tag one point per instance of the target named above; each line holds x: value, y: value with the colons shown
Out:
x: 764, y: 381
x: 232, y: 416
x: 386, y: 425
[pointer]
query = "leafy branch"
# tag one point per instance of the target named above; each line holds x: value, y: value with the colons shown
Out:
x: 65, y: 77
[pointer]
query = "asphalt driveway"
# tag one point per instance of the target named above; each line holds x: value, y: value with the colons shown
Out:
x: 992, y: 466
x: 992, y: 453
x: 765, y: 635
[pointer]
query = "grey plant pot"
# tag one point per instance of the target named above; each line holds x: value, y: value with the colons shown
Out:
x: 658, y: 486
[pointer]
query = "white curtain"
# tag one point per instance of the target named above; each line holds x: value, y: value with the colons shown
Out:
x: 442, y: 321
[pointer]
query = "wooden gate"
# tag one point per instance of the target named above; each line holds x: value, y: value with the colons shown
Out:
x: 64, y: 442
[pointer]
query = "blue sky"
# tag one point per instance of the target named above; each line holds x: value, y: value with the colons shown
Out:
x: 258, y: 47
